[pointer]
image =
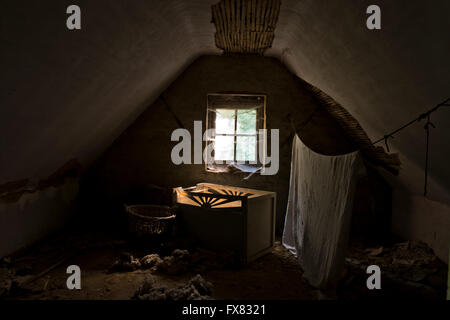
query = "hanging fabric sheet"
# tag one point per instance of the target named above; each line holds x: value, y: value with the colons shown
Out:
x: 319, y: 211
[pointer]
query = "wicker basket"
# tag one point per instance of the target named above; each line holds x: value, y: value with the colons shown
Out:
x: 150, y: 219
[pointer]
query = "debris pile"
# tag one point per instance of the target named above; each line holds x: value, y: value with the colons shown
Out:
x: 410, y: 263
x: 150, y: 261
x: 177, y: 263
x: 196, y: 289
x: 126, y: 262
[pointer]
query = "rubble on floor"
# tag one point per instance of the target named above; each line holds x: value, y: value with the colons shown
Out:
x: 150, y: 261
x: 411, y: 264
x: 409, y: 269
x: 196, y: 289
x: 177, y: 263
x: 126, y: 262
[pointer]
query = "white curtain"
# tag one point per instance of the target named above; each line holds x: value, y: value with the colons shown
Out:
x: 319, y: 211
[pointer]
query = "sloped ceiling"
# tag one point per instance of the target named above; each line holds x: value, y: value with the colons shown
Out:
x: 69, y: 94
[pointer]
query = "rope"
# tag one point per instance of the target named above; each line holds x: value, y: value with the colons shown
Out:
x: 427, y: 128
x: 420, y: 117
x: 428, y: 125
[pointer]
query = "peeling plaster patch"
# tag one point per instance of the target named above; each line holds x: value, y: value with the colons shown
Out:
x: 66, y: 193
x: 31, y: 209
x: 35, y: 215
x: 14, y: 190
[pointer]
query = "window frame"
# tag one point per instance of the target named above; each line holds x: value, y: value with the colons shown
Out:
x: 260, y: 124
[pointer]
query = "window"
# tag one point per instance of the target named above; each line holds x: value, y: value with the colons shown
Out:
x: 236, y: 119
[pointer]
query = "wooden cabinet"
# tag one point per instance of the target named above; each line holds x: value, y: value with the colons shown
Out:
x: 229, y: 218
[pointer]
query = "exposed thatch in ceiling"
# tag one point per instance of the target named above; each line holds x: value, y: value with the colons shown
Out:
x: 245, y: 26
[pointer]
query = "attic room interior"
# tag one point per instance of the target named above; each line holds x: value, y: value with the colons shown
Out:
x: 224, y: 150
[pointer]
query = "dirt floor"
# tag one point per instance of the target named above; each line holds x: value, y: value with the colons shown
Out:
x: 274, y: 276
x: 114, y: 269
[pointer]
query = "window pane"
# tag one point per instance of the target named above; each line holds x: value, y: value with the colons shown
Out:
x: 225, y: 121
x: 246, y: 121
x: 224, y: 148
x: 246, y: 148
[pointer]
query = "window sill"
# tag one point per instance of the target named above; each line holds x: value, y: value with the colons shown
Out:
x: 234, y: 168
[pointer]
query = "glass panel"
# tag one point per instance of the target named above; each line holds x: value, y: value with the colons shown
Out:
x: 246, y: 121
x: 224, y: 148
x: 246, y: 148
x: 225, y: 121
